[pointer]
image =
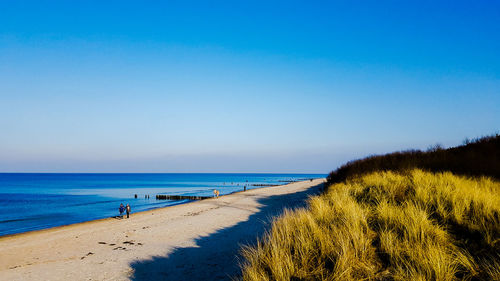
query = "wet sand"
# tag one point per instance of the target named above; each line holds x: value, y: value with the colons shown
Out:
x: 195, y: 241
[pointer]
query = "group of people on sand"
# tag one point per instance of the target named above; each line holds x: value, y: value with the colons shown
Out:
x: 216, y: 193
x: 123, y: 209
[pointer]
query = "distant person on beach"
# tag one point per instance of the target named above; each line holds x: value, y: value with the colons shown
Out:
x: 216, y: 193
x: 128, y: 210
x: 121, y: 209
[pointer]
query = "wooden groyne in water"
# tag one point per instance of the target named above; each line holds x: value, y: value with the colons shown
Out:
x: 180, y: 197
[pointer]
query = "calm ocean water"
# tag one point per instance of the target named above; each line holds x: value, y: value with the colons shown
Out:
x: 37, y: 201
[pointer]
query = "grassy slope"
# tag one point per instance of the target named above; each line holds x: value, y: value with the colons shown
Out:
x: 383, y: 218
x: 383, y: 226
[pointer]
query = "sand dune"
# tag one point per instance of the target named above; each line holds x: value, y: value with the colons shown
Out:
x: 195, y: 241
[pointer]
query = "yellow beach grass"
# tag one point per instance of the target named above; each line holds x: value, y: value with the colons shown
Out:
x: 414, y: 225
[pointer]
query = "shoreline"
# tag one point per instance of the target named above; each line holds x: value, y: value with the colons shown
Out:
x: 136, y: 213
x: 154, y: 242
x: 86, y: 222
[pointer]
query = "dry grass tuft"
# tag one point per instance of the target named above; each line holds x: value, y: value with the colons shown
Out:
x: 386, y: 226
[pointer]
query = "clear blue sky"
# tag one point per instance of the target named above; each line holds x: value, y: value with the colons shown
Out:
x: 240, y: 86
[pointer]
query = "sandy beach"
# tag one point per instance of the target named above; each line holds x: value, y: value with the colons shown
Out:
x: 195, y: 241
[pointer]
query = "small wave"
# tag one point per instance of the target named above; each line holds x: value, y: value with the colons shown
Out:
x: 28, y: 218
x: 16, y: 220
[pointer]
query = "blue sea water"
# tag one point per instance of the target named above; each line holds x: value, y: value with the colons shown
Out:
x: 37, y: 201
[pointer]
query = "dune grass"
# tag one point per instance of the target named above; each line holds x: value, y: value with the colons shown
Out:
x: 414, y: 225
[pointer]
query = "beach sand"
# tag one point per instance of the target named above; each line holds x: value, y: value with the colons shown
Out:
x: 195, y: 241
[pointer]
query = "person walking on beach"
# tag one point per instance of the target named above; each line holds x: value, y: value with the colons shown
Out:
x: 128, y: 210
x: 121, y: 209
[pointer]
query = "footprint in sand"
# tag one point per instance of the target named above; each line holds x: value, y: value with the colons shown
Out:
x: 88, y: 254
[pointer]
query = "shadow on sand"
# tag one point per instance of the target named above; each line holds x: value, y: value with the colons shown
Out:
x: 216, y: 256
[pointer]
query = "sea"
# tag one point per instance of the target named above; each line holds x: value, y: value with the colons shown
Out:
x: 32, y: 201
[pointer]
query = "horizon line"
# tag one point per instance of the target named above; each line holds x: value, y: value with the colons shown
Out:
x: 291, y: 173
